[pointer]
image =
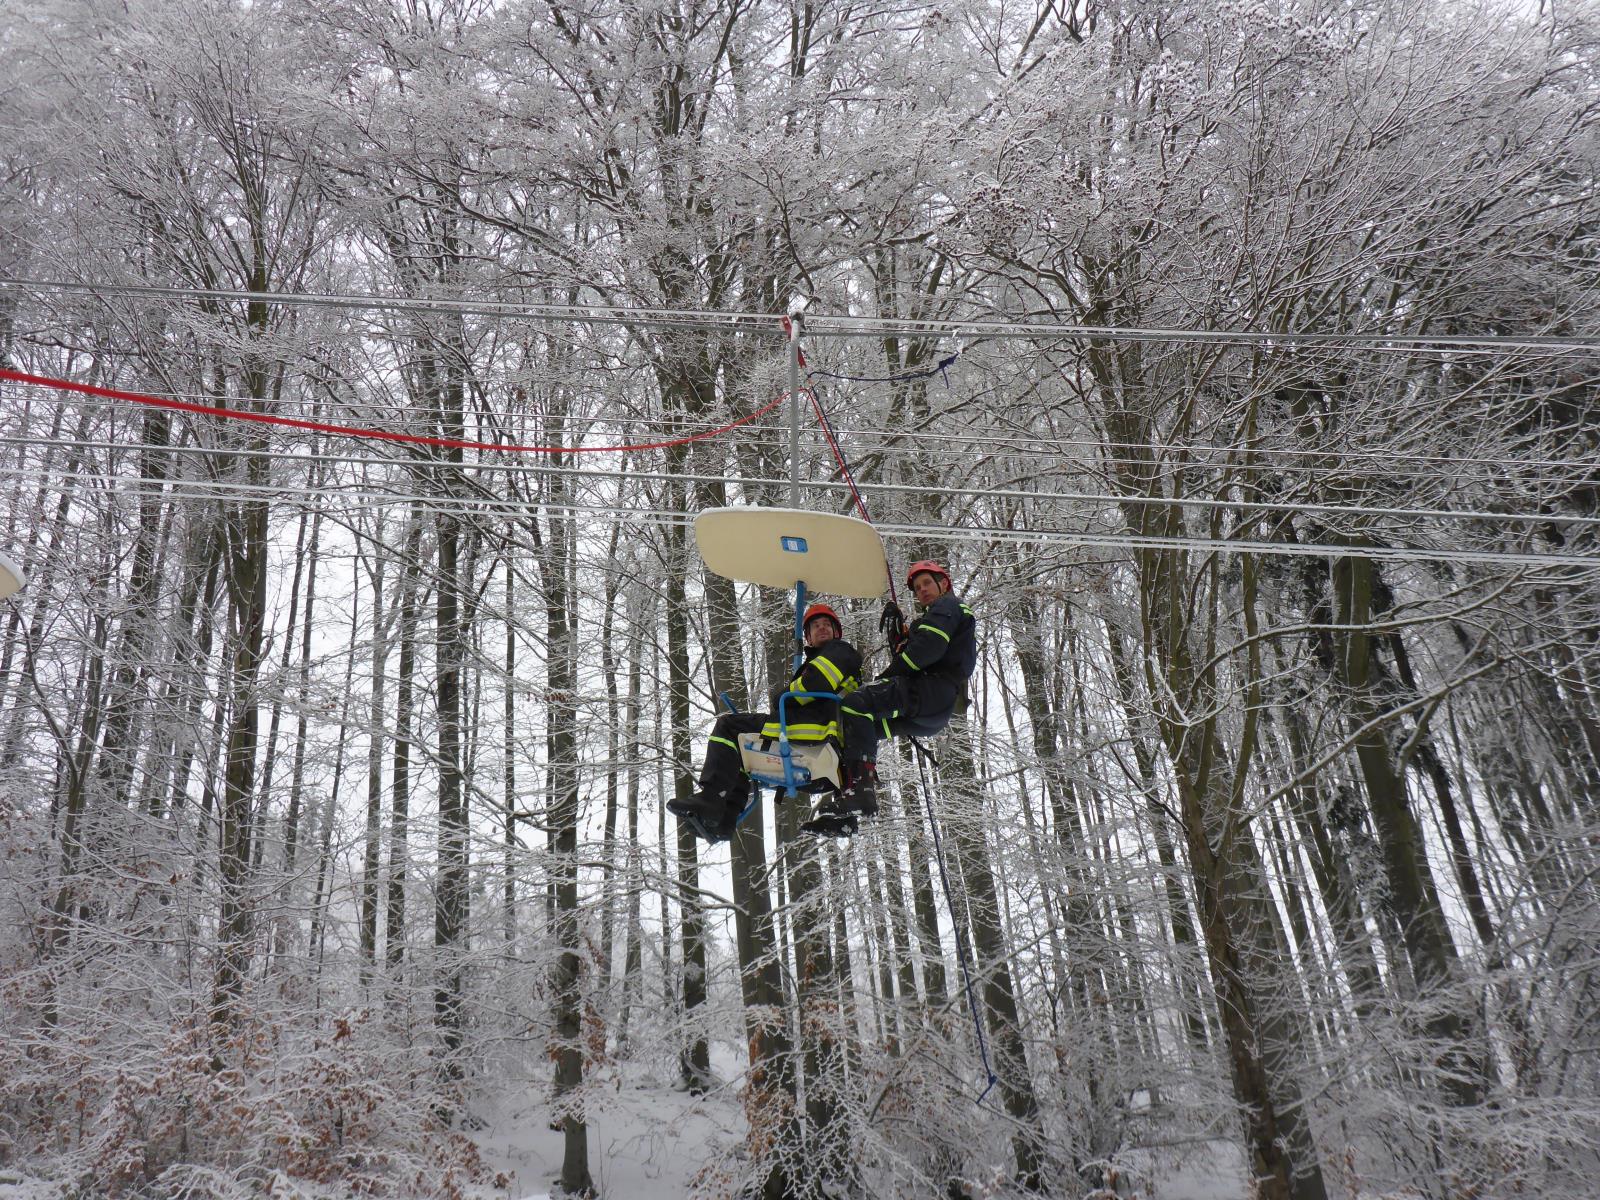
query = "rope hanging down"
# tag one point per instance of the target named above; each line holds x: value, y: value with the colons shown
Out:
x: 923, y: 754
x: 961, y: 945
x: 355, y: 431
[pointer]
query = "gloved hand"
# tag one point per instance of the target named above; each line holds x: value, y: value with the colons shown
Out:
x: 892, y: 624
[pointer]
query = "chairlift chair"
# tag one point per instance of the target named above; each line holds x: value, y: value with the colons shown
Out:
x: 810, y: 552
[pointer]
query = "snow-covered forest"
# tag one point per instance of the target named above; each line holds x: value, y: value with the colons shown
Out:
x: 1239, y: 358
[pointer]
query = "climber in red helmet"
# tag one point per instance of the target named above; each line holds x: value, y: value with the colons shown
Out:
x: 916, y: 694
x: 831, y: 664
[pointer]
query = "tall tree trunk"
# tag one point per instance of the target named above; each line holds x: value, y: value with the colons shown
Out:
x: 376, y: 717
x: 508, y: 770
x: 557, y: 566
x: 411, y: 601
x: 322, y: 892
x: 632, y: 957
x: 1190, y: 990
x: 191, y: 662
x: 1427, y: 939
x: 1427, y: 757
x: 1244, y: 946
x: 1239, y: 922
x: 826, y: 1135
x: 561, y: 632
x: 451, y: 897
x: 134, y: 651
x: 1331, y: 870
x: 245, y: 575
x: 291, y: 821
x: 73, y: 773
x: 890, y: 960
x: 608, y: 843
x: 33, y: 628
x: 695, y: 1059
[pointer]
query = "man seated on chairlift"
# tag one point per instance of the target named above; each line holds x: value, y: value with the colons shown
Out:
x: 916, y: 695
x: 831, y: 664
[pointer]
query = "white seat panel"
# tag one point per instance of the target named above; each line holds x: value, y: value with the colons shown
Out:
x: 778, y: 547
x: 818, y: 760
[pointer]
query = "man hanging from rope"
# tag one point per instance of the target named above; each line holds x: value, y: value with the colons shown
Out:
x: 915, y: 696
x: 831, y: 664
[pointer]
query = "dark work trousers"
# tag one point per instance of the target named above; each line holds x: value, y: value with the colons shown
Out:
x: 724, y: 768
x: 900, y: 706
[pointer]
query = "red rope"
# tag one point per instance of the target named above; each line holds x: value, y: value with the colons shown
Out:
x: 382, y: 435
x: 849, y: 478
x: 838, y: 455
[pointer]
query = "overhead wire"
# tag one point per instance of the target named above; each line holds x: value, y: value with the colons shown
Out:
x: 819, y: 325
x: 853, y: 487
x: 1041, y: 446
x: 480, y: 503
x: 1585, y: 473
x: 966, y: 532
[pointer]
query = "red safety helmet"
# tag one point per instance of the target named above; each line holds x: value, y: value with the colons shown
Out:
x: 928, y: 567
x: 821, y: 610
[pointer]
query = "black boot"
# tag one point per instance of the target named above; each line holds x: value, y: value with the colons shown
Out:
x: 861, y: 789
x: 712, y: 813
x: 840, y: 815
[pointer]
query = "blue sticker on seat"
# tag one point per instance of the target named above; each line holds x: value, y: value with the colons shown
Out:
x: 794, y: 545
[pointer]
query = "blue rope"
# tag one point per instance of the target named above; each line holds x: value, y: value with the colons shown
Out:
x: 961, y: 951
x: 938, y: 368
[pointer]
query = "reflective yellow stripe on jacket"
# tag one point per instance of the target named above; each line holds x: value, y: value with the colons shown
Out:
x: 803, y: 731
x: 831, y: 673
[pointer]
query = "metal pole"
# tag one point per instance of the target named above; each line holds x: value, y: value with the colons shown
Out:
x: 794, y: 408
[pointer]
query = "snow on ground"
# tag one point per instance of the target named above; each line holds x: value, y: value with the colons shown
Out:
x: 649, y: 1142
x: 1204, y: 1171
x: 646, y: 1141
x: 19, y: 1187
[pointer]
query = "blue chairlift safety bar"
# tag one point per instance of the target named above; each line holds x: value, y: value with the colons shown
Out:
x: 791, y: 780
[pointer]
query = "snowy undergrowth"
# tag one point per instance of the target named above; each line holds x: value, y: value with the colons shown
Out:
x: 648, y: 1141
x: 144, y: 1099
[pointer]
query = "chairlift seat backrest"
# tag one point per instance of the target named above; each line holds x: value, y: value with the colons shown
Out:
x: 11, y: 578
x: 780, y: 547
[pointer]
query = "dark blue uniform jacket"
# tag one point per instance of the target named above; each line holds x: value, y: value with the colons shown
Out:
x: 939, y: 656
